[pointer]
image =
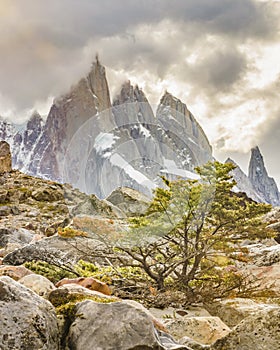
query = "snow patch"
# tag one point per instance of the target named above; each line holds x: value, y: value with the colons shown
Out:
x: 117, y: 159
x: 171, y: 168
x: 144, y: 131
x: 104, y: 142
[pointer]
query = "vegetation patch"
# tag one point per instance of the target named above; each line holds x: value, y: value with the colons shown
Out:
x: 69, y: 232
x: 51, y: 272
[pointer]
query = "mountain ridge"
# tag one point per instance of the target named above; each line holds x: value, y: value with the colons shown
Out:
x: 87, y: 139
x: 123, y: 139
x: 258, y: 185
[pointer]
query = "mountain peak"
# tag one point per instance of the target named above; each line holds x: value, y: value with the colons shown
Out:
x: 170, y: 100
x: 129, y: 94
x: 243, y: 183
x: 260, y: 180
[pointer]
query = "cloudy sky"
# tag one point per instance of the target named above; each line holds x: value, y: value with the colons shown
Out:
x: 221, y: 57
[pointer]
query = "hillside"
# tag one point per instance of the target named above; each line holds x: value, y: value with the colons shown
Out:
x: 46, y: 228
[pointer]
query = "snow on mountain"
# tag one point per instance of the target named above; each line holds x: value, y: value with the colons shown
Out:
x: 98, y: 146
x: 257, y: 185
x: 262, y: 183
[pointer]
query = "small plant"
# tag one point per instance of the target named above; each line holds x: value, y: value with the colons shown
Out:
x: 51, y: 272
x: 109, y: 273
x: 69, y: 232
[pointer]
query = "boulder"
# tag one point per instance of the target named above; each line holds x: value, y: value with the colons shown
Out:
x: 204, y: 330
x: 15, y: 235
x: 9, y: 248
x: 233, y: 311
x: 15, y: 272
x: 157, y: 323
x: 87, y: 282
x: 5, y: 210
x: 268, y: 256
x: 260, y: 331
x: 58, y: 249
x: 114, y: 326
x: 39, y: 284
x: 5, y: 157
x: 130, y: 201
x: 27, y: 320
x: 194, y: 345
x: 172, y: 313
x: 268, y: 278
x: 74, y: 292
x: 3, y: 196
x: 48, y: 194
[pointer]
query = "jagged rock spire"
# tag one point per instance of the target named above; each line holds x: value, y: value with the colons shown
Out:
x: 5, y: 157
x: 260, y: 180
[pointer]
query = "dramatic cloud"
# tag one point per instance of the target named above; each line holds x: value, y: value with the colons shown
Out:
x: 221, y: 57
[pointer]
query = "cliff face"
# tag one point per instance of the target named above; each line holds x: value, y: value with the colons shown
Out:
x: 243, y: 183
x: 67, y: 114
x: 175, y: 117
x: 257, y: 185
x: 260, y: 180
x: 98, y: 147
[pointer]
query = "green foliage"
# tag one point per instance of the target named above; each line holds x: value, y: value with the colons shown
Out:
x: 67, y: 305
x: 53, y: 273
x: 193, y: 230
x: 109, y: 273
x: 69, y: 232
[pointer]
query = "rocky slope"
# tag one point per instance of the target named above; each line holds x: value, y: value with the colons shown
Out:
x: 85, y: 139
x: 36, y: 314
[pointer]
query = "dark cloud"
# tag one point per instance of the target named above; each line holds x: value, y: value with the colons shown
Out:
x: 220, y: 69
x: 43, y: 43
x: 269, y: 145
x: 199, y: 46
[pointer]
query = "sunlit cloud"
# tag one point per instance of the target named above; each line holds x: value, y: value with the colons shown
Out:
x: 220, y: 57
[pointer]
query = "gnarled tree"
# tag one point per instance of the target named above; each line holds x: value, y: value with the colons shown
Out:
x: 191, y: 233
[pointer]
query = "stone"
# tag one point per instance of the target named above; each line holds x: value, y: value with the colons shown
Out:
x: 260, y: 331
x: 5, y: 157
x: 233, y: 311
x: 47, y: 194
x: 15, y: 272
x: 204, y: 330
x: 73, y: 291
x: 193, y: 344
x: 15, y: 235
x: 3, y: 196
x: 5, y: 210
x: 9, y: 248
x: 130, y: 201
x: 267, y: 278
x: 59, y: 250
x: 39, y: 284
x: 268, y: 256
x: 158, y: 324
x: 113, y: 326
x: 70, y: 292
x: 87, y: 282
x: 27, y: 320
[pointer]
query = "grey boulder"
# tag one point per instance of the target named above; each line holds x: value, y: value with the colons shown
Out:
x: 115, y: 326
x: 260, y: 331
x: 28, y: 322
